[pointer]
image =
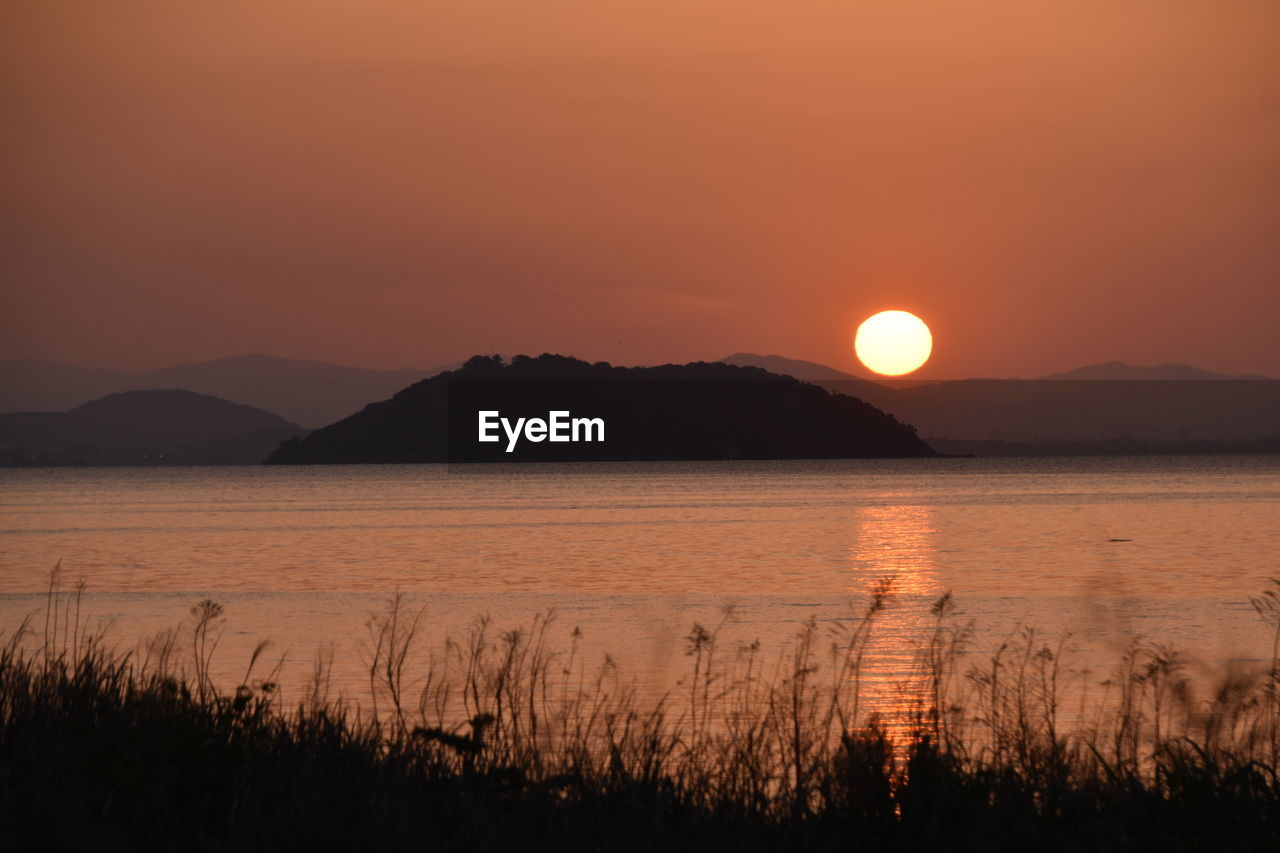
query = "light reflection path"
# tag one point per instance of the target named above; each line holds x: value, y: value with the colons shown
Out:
x: 896, y: 543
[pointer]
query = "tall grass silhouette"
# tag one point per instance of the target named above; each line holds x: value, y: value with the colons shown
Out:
x: 514, y: 740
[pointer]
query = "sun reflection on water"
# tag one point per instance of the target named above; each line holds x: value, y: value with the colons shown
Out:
x: 896, y: 543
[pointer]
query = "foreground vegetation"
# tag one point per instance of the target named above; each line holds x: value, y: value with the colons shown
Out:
x: 505, y: 742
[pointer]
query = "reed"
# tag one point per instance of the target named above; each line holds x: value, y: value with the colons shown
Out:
x: 512, y: 740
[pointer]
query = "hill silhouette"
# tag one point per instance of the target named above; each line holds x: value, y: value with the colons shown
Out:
x: 312, y: 393
x: 1119, y: 371
x: 1047, y: 414
x: 1100, y: 409
x: 879, y: 395
x: 1093, y: 406
x: 795, y: 367
x: 143, y: 428
x: 690, y: 411
x: 812, y: 371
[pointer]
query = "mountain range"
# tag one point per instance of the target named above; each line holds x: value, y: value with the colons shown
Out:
x: 144, y: 428
x: 311, y: 393
x: 810, y: 371
x: 1104, y: 402
x: 1092, y: 407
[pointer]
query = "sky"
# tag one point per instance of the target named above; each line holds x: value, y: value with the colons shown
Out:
x: 403, y: 183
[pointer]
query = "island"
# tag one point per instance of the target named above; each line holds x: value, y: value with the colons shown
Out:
x: 701, y: 410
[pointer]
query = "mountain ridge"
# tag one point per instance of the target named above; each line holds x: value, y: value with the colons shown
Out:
x: 309, y: 392
x: 1121, y: 371
x: 148, y: 427
x: 1170, y: 405
x: 316, y: 393
x: 1107, y: 370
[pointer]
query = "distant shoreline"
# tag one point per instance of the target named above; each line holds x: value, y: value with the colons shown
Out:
x: 1015, y: 451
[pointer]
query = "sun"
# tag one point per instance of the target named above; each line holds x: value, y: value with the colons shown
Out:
x: 893, y: 342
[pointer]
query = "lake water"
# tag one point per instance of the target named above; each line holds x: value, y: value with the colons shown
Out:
x: 632, y: 554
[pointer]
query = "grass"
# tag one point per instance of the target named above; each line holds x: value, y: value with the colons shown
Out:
x: 507, y: 740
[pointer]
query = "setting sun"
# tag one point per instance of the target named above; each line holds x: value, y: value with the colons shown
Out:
x: 893, y: 342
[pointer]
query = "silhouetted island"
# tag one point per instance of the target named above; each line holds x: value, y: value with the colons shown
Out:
x: 670, y: 412
x: 144, y: 428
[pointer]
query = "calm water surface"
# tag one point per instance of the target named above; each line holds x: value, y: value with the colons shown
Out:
x: 1166, y: 548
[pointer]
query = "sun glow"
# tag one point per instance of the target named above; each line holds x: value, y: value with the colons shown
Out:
x: 893, y: 343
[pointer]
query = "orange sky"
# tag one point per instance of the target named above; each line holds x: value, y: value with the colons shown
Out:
x: 407, y: 182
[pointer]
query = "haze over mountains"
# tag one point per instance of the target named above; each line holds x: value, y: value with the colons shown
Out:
x: 1109, y: 370
x: 1090, y: 406
x: 144, y: 428
x: 1119, y: 371
x: 310, y: 393
x: 1110, y: 407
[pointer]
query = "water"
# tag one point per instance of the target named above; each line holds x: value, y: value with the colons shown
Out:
x: 633, y: 554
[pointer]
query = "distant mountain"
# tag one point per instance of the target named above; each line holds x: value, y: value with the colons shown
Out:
x: 1102, y: 408
x: 811, y: 371
x: 313, y: 393
x: 687, y: 411
x: 805, y: 371
x: 1098, y: 403
x: 144, y: 428
x: 1118, y: 370
x: 31, y: 385
x: 1044, y: 412
x: 874, y: 393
